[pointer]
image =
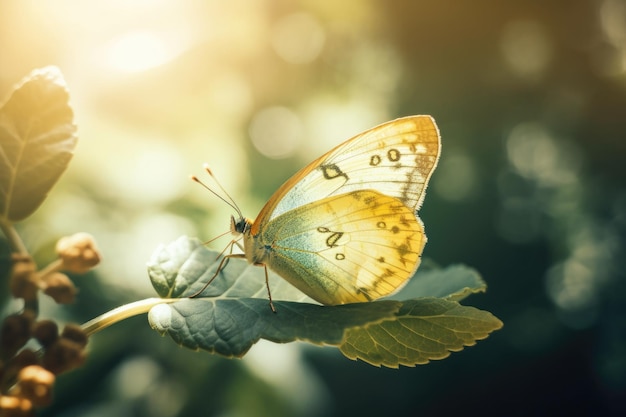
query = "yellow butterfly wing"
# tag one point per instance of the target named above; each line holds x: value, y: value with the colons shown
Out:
x: 349, y: 248
x: 395, y: 158
x: 344, y: 228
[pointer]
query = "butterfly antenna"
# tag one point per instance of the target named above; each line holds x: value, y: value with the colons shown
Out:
x: 230, y: 201
x: 217, y: 237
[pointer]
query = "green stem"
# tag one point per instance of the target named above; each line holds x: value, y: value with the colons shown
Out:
x: 53, y: 266
x: 123, y: 312
x: 14, y: 239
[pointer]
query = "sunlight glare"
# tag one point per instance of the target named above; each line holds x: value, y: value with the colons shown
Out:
x: 139, y: 51
x: 298, y: 38
x: 526, y: 48
x: 571, y: 285
x: 537, y: 155
x: 276, y: 132
x: 331, y: 120
x: 284, y: 367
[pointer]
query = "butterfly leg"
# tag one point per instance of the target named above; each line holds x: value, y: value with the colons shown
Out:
x: 221, y: 266
x: 267, y: 284
x: 224, y: 262
x: 267, y: 280
x: 231, y: 245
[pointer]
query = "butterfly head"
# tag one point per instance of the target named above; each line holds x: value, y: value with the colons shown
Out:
x: 240, y: 225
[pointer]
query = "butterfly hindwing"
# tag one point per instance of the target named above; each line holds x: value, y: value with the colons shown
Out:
x: 353, y: 247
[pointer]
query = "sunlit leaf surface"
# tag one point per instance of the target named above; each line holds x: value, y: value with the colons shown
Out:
x: 37, y: 138
x: 424, y: 329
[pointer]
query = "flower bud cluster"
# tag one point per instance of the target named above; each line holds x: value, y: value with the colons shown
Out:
x: 29, y: 376
x: 77, y: 254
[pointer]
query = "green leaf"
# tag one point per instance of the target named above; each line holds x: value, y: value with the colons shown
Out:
x: 37, y: 139
x: 183, y: 267
x: 423, y: 330
x: 232, y: 313
x: 229, y: 327
x: 453, y: 283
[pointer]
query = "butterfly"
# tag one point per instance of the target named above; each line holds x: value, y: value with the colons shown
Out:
x: 344, y: 229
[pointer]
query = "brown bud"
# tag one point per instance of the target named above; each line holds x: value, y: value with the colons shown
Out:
x: 76, y: 334
x: 24, y: 279
x: 78, y: 253
x: 24, y: 358
x: 63, y: 355
x: 15, y: 407
x: 60, y: 287
x: 35, y: 384
x: 15, y: 332
x: 46, y: 332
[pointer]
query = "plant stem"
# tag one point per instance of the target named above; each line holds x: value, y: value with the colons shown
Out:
x: 51, y: 267
x: 14, y: 239
x: 123, y: 312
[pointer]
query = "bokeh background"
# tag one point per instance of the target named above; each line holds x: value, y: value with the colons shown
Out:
x: 530, y: 98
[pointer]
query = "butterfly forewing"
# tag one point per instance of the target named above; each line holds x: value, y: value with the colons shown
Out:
x: 396, y: 158
x: 353, y: 247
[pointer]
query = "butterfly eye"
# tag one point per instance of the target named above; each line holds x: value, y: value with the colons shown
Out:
x: 239, y: 226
